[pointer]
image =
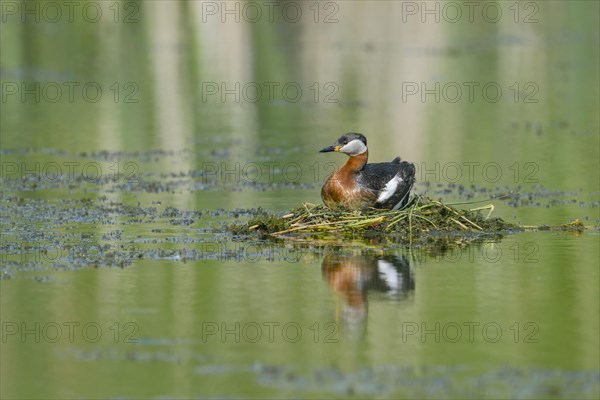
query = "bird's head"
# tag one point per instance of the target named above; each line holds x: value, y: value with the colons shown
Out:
x: 351, y: 144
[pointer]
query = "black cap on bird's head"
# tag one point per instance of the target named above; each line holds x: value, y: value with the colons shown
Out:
x: 349, y: 143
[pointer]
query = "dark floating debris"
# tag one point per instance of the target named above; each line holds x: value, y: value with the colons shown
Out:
x: 421, y: 219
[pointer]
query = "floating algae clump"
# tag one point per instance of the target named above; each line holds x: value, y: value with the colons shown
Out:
x: 260, y: 222
x: 420, y: 217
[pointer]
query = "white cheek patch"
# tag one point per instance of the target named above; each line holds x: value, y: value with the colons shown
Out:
x: 389, y: 189
x: 354, y: 148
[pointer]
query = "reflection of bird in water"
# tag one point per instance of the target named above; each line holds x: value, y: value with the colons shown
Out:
x: 352, y: 276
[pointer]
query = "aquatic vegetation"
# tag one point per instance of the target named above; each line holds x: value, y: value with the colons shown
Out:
x: 421, y: 217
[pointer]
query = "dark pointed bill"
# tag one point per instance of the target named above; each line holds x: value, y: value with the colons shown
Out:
x: 328, y: 149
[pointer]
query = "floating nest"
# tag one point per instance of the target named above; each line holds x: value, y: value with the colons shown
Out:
x: 422, y: 218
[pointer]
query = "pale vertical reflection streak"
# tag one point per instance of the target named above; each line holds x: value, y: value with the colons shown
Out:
x: 227, y: 50
x: 109, y: 136
x: 228, y: 46
x: 172, y: 122
x: 109, y: 133
x: 172, y: 129
x: 166, y: 44
x: 390, y: 48
x: 526, y: 59
x: 523, y: 60
x: 409, y: 118
x: 110, y: 122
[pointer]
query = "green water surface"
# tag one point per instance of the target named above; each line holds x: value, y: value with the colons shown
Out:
x: 133, y: 131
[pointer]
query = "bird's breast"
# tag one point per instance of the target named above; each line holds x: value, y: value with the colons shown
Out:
x: 343, y: 189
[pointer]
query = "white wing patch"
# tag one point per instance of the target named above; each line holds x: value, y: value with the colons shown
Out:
x: 389, y: 189
x: 389, y: 275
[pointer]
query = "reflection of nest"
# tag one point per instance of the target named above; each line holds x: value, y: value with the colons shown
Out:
x: 352, y: 276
